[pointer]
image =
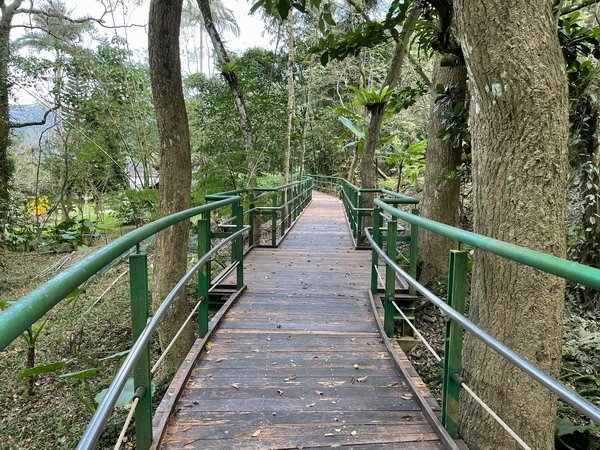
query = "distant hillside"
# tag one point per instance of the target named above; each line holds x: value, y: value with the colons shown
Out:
x: 29, y: 113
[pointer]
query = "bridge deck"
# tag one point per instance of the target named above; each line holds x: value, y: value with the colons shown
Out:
x: 298, y: 360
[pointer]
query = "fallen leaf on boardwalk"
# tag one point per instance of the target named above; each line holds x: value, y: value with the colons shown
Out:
x: 209, y: 345
x: 393, y: 384
x: 360, y: 380
x: 407, y: 396
x: 356, y: 366
x: 279, y: 391
x: 186, y: 429
x: 235, y: 385
x: 256, y: 433
x: 353, y: 433
x: 291, y: 377
x: 268, y: 339
x: 219, y: 360
x: 353, y: 339
x: 329, y: 435
x: 311, y: 405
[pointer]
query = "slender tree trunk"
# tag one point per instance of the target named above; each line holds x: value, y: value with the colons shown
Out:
x: 234, y: 85
x: 368, y: 173
x: 306, y: 123
x: 519, y: 128
x: 441, y: 192
x: 352, y: 169
x: 291, y: 97
x: 175, y: 171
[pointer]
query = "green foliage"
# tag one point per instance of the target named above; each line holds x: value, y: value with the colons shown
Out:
x: 358, y: 132
x: 574, y: 437
x: 125, y: 397
x: 134, y: 207
x: 372, y: 98
x: 402, y: 99
x: 410, y: 161
x: 217, y: 141
x: 81, y: 374
x: 578, y: 41
x: 455, y: 121
x: 42, y: 369
x: 368, y: 34
x: 72, y: 232
x: 20, y: 231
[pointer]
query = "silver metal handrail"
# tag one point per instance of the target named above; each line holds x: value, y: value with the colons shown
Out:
x: 573, y: 399
x: 105, y: 408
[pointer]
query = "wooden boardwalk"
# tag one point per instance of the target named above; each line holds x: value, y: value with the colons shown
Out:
x: 298, y: 360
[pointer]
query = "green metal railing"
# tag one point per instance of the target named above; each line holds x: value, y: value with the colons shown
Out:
x: 355, y: 201
x: 270, y: 210
x: 454, y: 306
x: 287, y: 203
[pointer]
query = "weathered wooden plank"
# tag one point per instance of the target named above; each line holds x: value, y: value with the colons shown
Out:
x: 317, y: 383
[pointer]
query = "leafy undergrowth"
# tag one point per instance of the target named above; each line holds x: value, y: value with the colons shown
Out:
x: 56, y: 414
x: 580, y: 371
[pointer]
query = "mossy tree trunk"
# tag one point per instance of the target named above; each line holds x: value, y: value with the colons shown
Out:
x: 519, y: 129
x: 170, y: 262
x: 441, y: 191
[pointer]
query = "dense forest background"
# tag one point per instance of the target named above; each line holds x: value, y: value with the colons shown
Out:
x: 373, y: 92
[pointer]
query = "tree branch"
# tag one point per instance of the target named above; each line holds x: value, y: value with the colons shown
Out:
x: 55, y: 15
x: 577, y: 6
x: 359, y: 9
x: 32, y: 124
x: 418, y: 69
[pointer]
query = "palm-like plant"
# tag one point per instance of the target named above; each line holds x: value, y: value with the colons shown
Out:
x: 222, y: 16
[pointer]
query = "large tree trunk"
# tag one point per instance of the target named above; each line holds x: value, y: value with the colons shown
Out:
x: 175, y: 171
x: 291, y: 97
x: 6, y: 169
x: 519, y: 128
x: 368, y: 172
x: 234, y: 85
x: 441, y: 192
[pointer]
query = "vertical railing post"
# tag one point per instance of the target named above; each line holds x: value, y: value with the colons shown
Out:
x: 238, y: 244
x: 374, y: 255
x: 284, y: 210
x: 390, y: 278
x: 274, y: 197
x: 204, y: 274
x: 414, y: 251
x: 251, y: 217
x: 359, y: 217
x: 140, y: 311
x: 457, y: 292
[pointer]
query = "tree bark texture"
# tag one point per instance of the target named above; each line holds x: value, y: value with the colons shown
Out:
x: 233, y: 82
x: 175, y: 172
x: 368, y: 173
x: 519, y: 128
x: 8, y: 13
x: 441, y: 191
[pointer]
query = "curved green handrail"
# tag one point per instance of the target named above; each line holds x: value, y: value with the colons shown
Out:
x: 24, y: 313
